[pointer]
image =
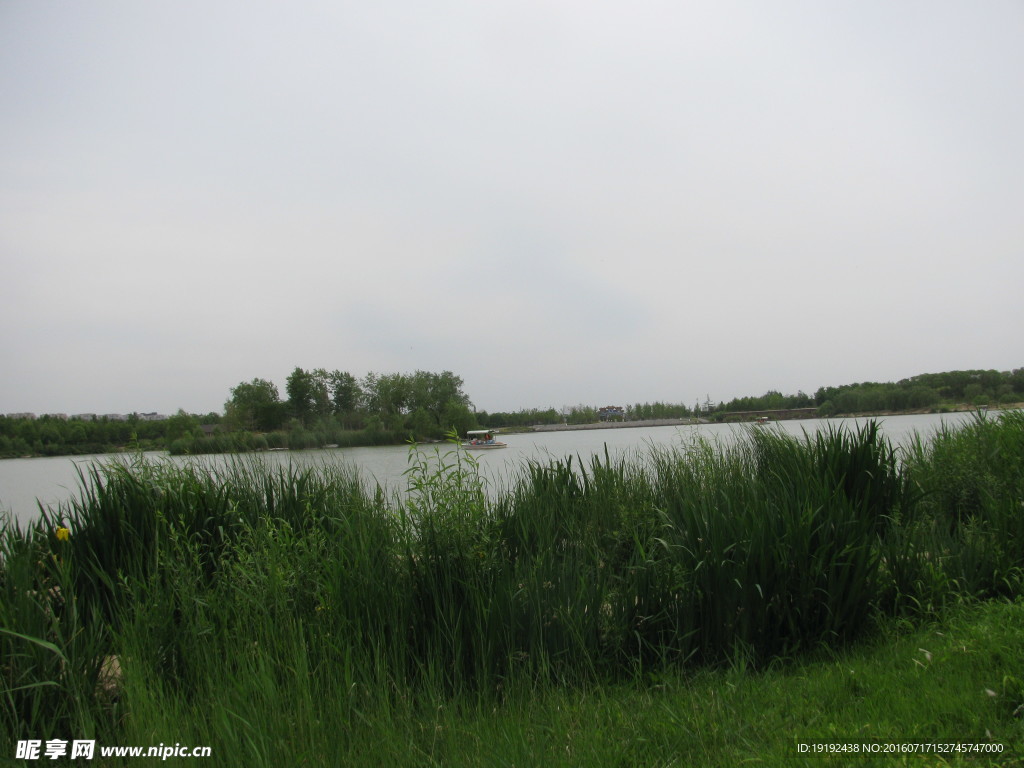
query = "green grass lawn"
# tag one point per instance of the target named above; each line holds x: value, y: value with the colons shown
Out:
x: 956, y: 681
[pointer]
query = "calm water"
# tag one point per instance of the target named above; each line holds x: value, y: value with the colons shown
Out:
x: 25, y: 483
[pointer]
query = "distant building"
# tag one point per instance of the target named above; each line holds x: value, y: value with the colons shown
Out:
x: 610, y: 412
x: 153, y: 416
x: 84, y: 416
x: 115, y: 417
x: 61, y: 416
x: 21, y: 415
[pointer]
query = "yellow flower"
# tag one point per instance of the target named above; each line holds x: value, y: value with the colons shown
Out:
x: 63, y: 534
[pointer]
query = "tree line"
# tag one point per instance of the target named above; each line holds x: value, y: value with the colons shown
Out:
x: 928, y: 391
x: 924, y: 392
x: 57, y: 436
x: 582, y: 414
x: 319, y: 408
x: 322, y: 407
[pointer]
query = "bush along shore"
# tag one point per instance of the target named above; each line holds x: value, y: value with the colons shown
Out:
x: 284, y: 616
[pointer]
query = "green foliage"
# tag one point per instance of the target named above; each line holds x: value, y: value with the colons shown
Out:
x: 580, y: 414
x: 974, y: 485
x: 925, y: 391
x: 254, y: 405
x: 771, y: 400
x: 180, y: 425
x: 333, y: 408
x: 523, y: 418
x: 306, y: 391
x: 221, y: 589
x: 658, y: 410
x: 56, y: 436
x: 457, y: 417
x: 346, y: 395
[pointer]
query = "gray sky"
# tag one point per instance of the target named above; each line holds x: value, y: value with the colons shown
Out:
x: 562, y: 202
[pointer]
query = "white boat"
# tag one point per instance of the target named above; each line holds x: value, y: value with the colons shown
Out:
x: 482, y: 440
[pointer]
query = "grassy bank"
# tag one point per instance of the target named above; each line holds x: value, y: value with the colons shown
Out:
x: 286, y: 616
x: 954, y: 681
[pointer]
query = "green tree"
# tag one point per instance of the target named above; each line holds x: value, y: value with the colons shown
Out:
x: 975, y: 393
x: 254, y: 405
x: 387, y: 395
x: 180, y: 425
x: 457, y: 416
x: 421, y: 424
x: 434, y: 392
x: 323, y: 405
x: 305, y: 395
x: 346, y: 395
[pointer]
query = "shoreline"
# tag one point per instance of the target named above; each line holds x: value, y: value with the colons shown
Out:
x: 747, y: 417
x: 611, y: 425
x: 736, y: 417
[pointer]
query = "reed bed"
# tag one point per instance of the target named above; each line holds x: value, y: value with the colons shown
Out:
x: 230, y: 595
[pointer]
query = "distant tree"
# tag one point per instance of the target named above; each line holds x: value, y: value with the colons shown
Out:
x: 435, y: 393
x: 580, y: 414
x: 180, y: 425
x: 387, y: 396
x: 307, y: 394
x: 77, y: 434
x: 921, y: 397
x: 254, y: 405
x: 522, y: 418
x: 322, y: 403
x: 1016, y: 380
x: 346, y: 395
x: 974, y: 393
x: 421, y: 424
x: 458, y: 416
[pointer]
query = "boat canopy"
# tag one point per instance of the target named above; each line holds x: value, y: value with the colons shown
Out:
x: 481, y: 432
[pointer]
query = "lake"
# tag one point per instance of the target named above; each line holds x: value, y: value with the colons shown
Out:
x: 25, y: 483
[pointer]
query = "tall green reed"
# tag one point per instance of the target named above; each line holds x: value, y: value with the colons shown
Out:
x: 247, y: 588
x: 973, y: 504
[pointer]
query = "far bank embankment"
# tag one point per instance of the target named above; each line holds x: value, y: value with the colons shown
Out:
x: 617, y: 425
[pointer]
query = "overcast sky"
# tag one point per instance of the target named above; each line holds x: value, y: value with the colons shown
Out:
x: 562, y: 202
